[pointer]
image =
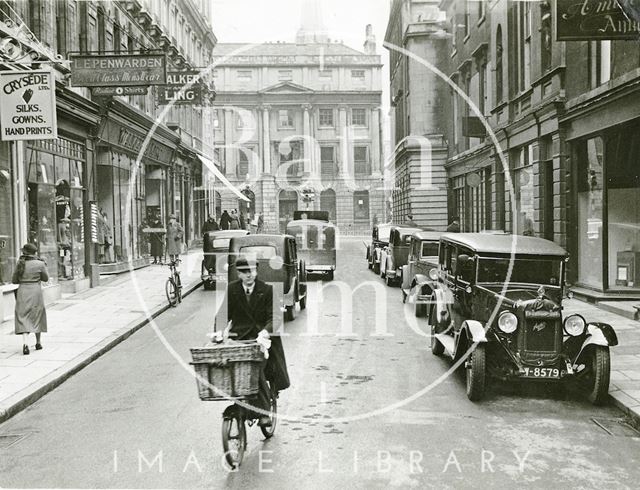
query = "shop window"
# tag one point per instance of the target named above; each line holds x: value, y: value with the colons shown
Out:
x: 523, y: 187
x: 361, y: 206
x: 7, y: 251
x: 623, y: 209
x: 590, y: 156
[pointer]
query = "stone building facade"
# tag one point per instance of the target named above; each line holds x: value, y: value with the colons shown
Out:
x: 298, y: 127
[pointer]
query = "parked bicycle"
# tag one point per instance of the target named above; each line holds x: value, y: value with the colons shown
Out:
x: 173, y: 286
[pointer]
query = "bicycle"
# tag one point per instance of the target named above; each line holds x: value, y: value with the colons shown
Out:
x: 173, y: 286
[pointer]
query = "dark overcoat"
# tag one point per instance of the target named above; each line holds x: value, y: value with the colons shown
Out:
x: 30, y: 315
x: 249, y: 316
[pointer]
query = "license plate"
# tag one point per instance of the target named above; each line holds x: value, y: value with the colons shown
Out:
x: 542, y: 372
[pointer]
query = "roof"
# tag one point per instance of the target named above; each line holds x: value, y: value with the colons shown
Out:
x: 428, y: 235
x: 310, y: 222
x: 505, y: 244
x: 251, y: 240
x: 286, y: 49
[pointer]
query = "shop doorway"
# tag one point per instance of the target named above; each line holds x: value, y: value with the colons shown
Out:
x: 287, y: 204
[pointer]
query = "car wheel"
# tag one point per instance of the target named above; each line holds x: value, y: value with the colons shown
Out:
x: 476, y: 373
x: 437, y: 349
x: 376, y: 268
x: 420, y: 310
x: 290, y: 313
x: 599, y: 365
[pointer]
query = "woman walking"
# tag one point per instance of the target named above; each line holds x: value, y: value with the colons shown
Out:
x: 30, y: 315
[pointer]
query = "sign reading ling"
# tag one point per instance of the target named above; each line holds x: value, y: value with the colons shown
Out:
x: 28, y: 101
x: 120, y: 70
x: 591, y: 20
x: 175, y: 82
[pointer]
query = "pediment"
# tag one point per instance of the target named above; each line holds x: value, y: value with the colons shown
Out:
x: 286, y: 88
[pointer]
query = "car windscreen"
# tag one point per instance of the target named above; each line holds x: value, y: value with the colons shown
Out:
x: 429, y: 249
x: 259, y: 251
x: 530, y: 271
x: 221, y: 243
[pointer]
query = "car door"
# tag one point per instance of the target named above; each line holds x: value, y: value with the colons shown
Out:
x: 464, y: 278
x: 410, y: 269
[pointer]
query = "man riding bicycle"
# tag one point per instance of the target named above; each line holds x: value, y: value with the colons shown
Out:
x: 250, y: 314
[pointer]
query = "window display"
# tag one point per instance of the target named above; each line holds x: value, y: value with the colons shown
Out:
x: 7, y: 252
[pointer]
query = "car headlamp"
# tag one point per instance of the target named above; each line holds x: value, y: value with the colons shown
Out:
x: 433, y: 274
x: 574, y: 325
x: 507, y: 322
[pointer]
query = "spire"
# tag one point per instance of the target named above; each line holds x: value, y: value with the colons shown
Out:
x: 312, y: 28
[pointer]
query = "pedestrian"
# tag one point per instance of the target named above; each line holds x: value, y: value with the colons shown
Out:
x: 224, y: 220
x: 175, y: 233
x: 454, y: 225
x: 157, y: 239
x: 243, y: 224
x: 210, y: 225
x: 108, y: 240
x: 250, y: 316
x: 30, y: 315
x: 234, y: 222
x: 100, y: 232
x: 410, y: 222
x: 260, y: 223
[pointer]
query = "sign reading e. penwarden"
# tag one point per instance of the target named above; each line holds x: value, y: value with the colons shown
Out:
x: 118, y: 70
x: 591, y: 20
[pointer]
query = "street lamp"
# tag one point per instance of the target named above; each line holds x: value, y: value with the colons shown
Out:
x: 308, y: 196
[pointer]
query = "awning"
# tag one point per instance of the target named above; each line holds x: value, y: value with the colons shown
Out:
x: 213, y: 169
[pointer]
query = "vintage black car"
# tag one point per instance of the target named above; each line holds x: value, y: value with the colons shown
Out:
x: 215, y: 247
x: 498, y: 309
x: 395, y: 254
x: 421, y: 270
x: 278, y: 264
x: 316, y: 240
x: 379, y: 240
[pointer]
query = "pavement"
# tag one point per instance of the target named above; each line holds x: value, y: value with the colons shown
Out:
x: 84, y: 326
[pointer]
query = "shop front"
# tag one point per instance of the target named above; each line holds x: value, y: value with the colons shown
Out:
x: 7, y: 229
x: 132, y: 189
x: 607, y: 183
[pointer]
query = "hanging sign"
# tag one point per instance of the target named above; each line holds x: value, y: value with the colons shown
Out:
x: 119, y: 70
x: 171, y: 93
x: 28, y: 101
x: 591, y: 20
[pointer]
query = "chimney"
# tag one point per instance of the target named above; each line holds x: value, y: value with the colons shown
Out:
x: 370, y: 43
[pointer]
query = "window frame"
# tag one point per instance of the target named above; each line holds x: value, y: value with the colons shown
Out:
x: 290, y: 119
x: 331, y: 111
x: 364, y: 113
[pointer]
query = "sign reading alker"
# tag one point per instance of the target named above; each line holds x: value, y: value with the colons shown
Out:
x: 118, y: 70
x: 590, y: 20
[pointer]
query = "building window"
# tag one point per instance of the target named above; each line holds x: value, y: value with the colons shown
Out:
x: 499, y: 77
x: 481, y: 10
x: 358, y: 117
x: 361, y: 206
x: 454, y: 35
x: 326, y: 118
x: 523, y: 44
x: 523, y: 186
x: 327, y: 162
x: 599, y: 62
x: 361, y: 165
x: 466, y: 19
x: 325, y: 73
x: 244, y: 75
x: 482, y: 87
x: 546, y: 32
x: 245, y: 119
x: 243, y: 163
x: 457, y: 184
x: 285, y: 75
x: 357, y: 75
x: 216, y: 119
x: 285, y: 118
x: 101, y: 31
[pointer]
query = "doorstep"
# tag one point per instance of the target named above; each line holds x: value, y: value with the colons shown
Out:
x: 120, y: 267
x: 626, y: 304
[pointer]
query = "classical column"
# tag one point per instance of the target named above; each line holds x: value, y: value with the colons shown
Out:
x: 376, y: 150
x: 308, y: 147
x: 229, y: 150
x: 266, y: 140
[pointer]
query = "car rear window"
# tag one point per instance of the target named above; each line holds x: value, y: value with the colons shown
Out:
x: 429, y: 249
x: 259, y: 251
x: 221, y: 243
x: 383, y: 234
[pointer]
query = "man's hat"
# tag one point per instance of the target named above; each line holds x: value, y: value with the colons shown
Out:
x: 172, y: 216
x: 29, y: 249
x: 242, y: 264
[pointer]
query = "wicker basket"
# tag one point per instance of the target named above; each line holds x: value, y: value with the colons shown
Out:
x: 228, y: 370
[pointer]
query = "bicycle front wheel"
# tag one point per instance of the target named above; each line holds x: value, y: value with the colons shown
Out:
x: 268, y: 432
x: 172, y: 292
x: 234, y: 439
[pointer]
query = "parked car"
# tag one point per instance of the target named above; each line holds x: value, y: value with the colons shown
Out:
x: 395, y: 254
x: 421, y: 271
x: 215, y: 247
x: 379, y: 240
x: 498, y: 306
x: 316, y: 240
x: 278, y: 262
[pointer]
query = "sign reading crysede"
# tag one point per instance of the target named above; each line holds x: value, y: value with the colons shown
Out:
x: 28, y: 102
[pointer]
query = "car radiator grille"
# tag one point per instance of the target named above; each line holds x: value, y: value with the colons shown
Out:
x: 542, y: 333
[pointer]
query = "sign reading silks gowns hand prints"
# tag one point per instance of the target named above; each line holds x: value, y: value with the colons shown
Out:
x: 28, y: 102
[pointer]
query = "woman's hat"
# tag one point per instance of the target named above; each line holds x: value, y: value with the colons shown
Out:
x: 29, y: 249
